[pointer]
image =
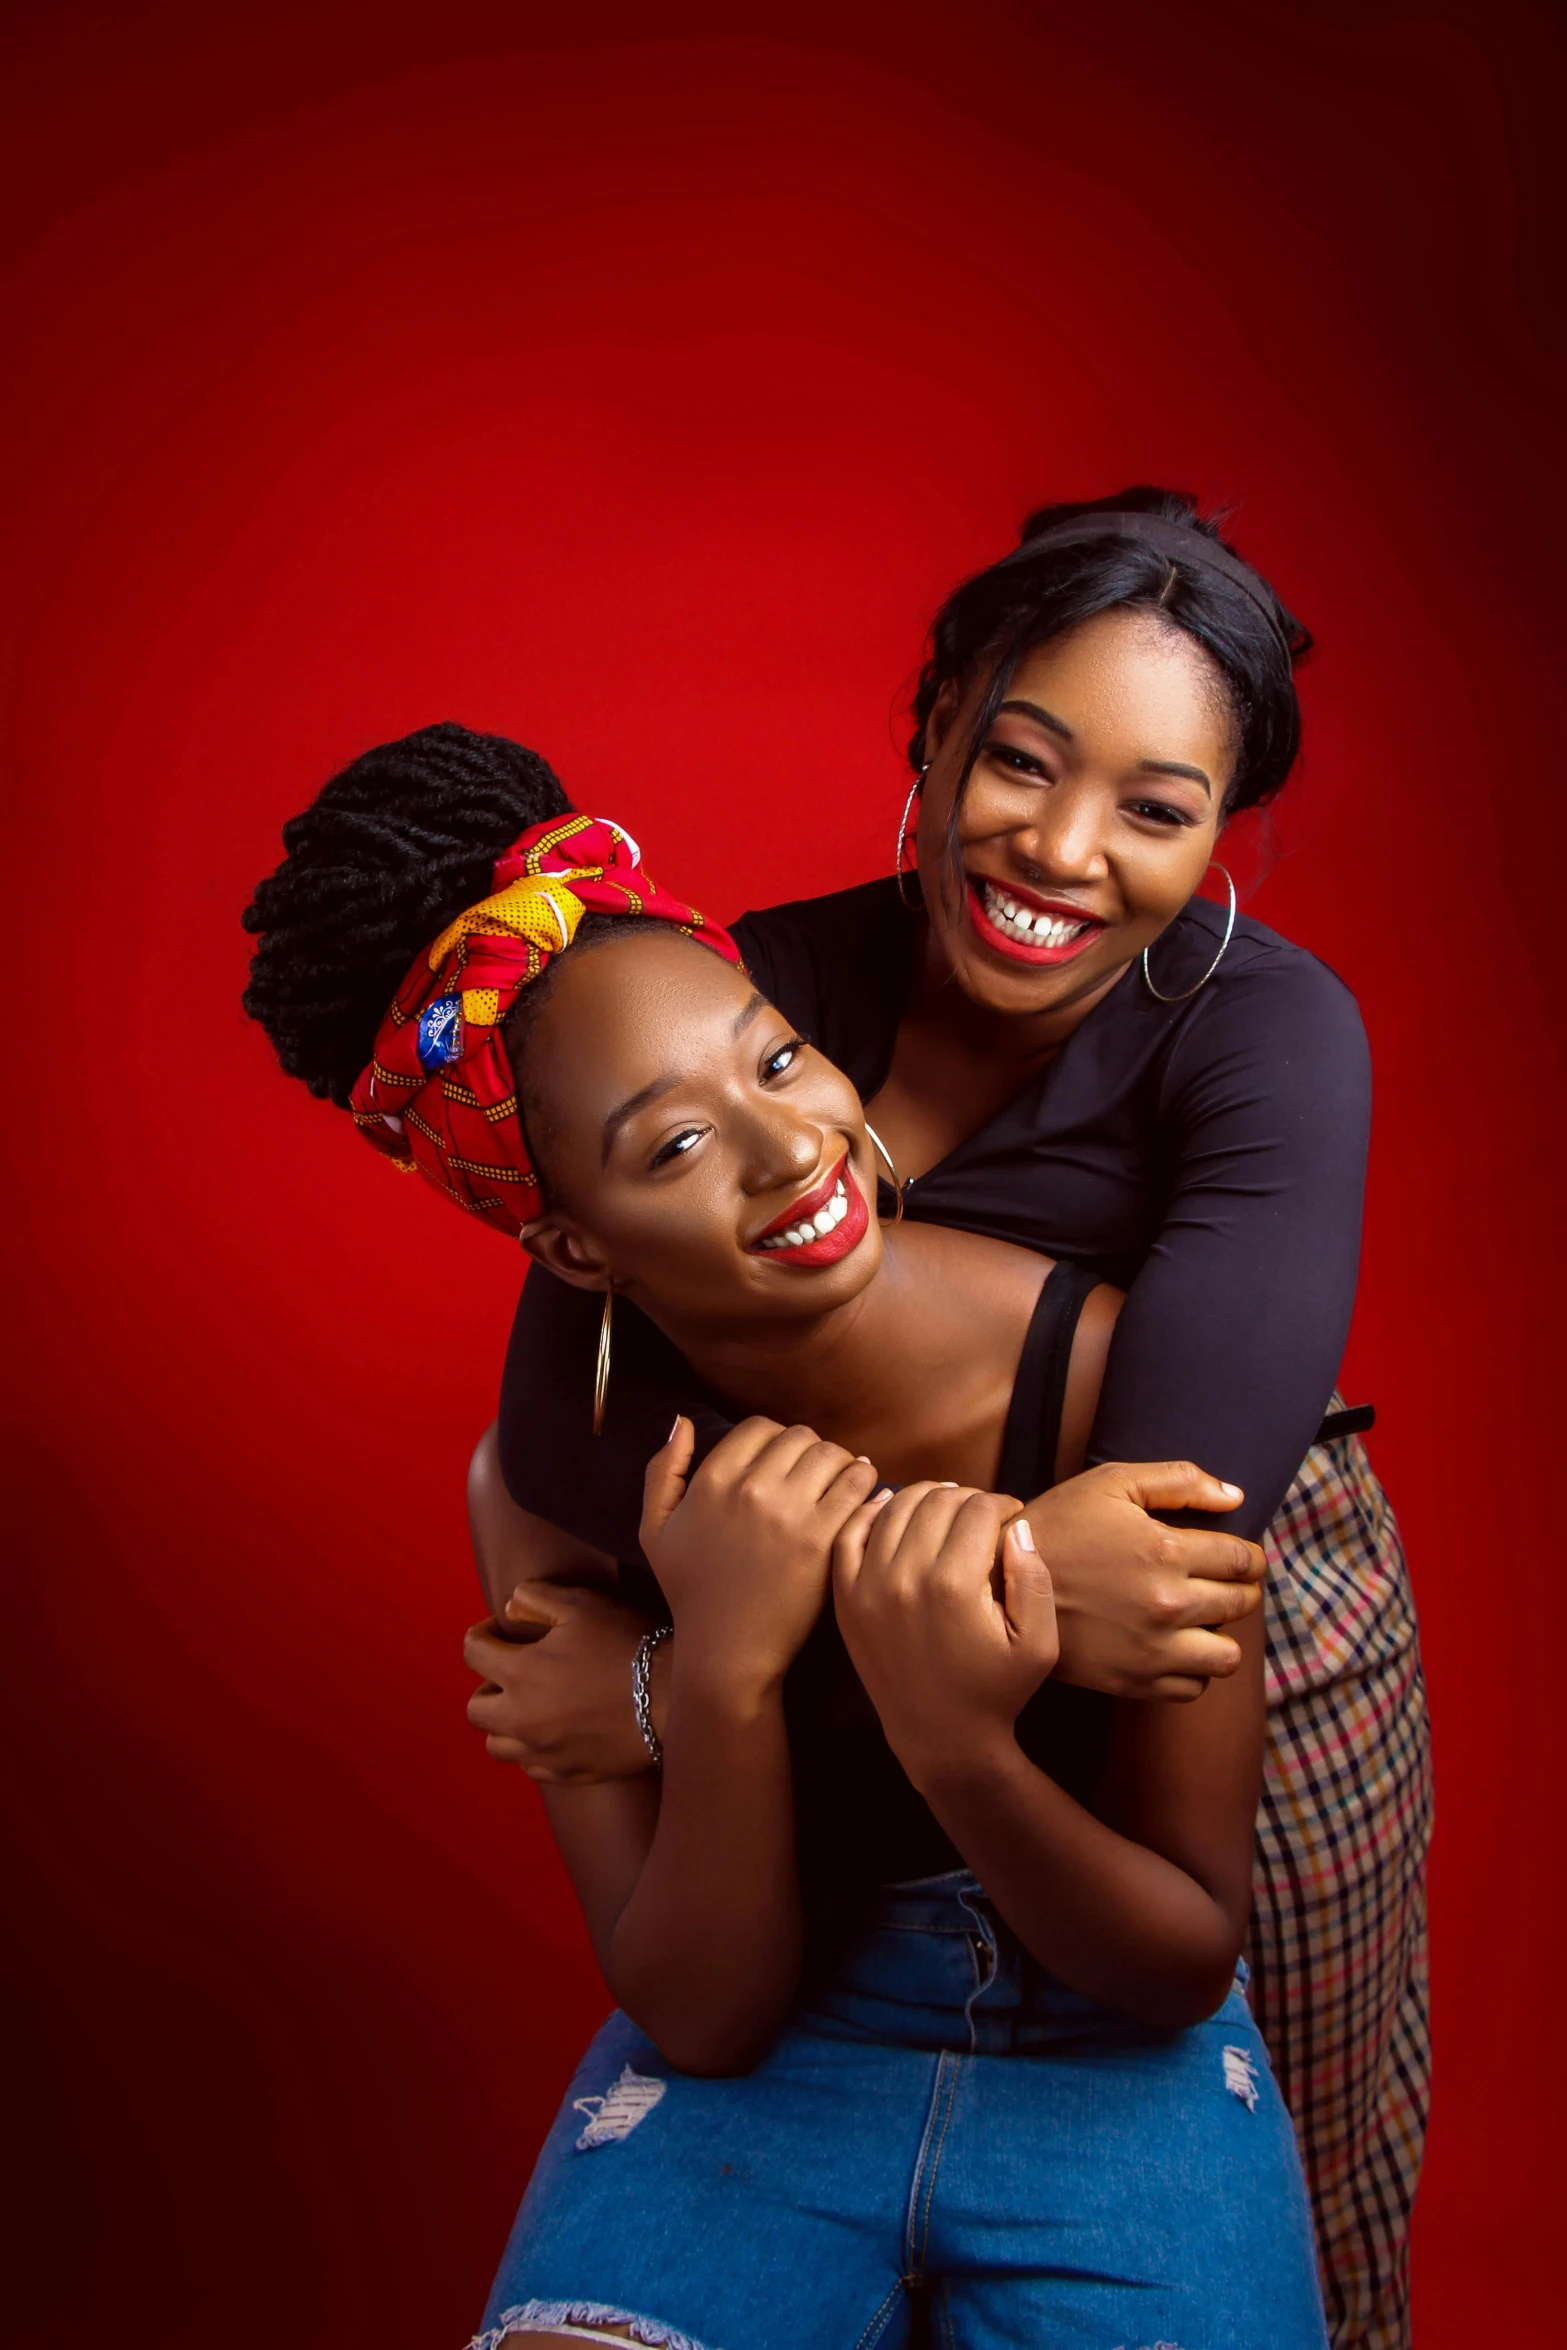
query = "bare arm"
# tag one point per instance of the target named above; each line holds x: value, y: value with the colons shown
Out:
x: 689, y: 1886
x: 688, y: 1882
x: 1143, y: 1906
x: 554, y: 1657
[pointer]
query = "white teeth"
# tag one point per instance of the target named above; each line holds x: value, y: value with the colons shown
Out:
x: 815, y: 1227
x: 1016, y: 921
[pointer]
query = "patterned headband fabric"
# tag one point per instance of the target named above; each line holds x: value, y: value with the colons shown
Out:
x: 438, y: 1098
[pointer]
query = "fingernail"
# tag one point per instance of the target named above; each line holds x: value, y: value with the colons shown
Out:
x: 865, y: 1457
x: 1230, y: 1492
x: 880, y: 1500
x: 947, y: 1485
x: 1023, y: 1534
x: 675, y: 1430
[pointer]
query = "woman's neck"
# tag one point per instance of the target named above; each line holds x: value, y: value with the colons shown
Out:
x: 916, y: 1372
x: 1012, y: 1044
x: 956, y: 1063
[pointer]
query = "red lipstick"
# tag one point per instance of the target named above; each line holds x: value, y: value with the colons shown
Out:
x: 838, y: 1197
x: 1009, y: 943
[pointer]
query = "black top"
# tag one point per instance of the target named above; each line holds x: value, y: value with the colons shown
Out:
x: 1206, y: 1156
x: 858, y: 1821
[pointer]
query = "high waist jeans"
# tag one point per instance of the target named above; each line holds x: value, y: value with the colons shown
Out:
x: 943, y: 2121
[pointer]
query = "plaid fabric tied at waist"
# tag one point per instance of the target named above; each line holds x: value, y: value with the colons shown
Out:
x: 1338, y: 1938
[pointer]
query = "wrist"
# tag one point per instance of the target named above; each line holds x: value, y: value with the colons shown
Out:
x: 717, y: 1689
x: 660, y: 1666
x: 950, y: 1761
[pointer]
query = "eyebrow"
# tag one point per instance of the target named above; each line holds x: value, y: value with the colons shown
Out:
x: 629, y: 1108
x: 659, y: 1086
x: 1058, y: 726
x: 1041, y: 717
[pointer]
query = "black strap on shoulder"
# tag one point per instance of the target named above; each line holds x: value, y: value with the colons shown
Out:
x: 1033, y: 1432
x: 1354, y: 1420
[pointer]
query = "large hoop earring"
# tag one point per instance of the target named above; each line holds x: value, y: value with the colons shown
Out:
x: 914, y: 903
x: 601, y: 1367
x: 1229, y: 932
x: 897, y: 1188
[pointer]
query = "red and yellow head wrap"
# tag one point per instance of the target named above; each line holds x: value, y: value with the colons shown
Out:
x: 438, y: 1097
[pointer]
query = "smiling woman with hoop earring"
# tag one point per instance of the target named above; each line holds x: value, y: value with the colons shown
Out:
x: 1062, y: 1043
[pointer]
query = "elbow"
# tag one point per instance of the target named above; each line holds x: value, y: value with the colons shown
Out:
x: 1189, y: 1991
x: 713, y: 2039
x: 1169, y: 2009
x: 709, y: 2053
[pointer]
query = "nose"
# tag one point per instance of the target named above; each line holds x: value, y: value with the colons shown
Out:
x: 1063, y: 841
x: 780, y: 1147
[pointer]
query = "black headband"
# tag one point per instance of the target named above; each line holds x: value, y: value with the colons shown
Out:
x: 1178, y: 542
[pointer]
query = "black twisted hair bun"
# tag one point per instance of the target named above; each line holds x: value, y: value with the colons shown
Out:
x: 1023, y: 601
x: 387, y: 854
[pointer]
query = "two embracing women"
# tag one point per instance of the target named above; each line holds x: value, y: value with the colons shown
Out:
x: 964, y: 1647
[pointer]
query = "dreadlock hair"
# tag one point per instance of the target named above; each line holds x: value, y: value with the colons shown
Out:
x: 1000, y: 615
x: 386, y: 855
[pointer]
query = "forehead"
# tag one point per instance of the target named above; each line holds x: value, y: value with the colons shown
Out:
x: 630, y: 1011
x: 1131, y: 675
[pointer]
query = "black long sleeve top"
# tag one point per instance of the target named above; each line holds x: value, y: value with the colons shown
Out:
x: 1208, y: 1157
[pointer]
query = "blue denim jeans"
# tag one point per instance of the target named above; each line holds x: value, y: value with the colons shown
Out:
x: 943, y: 2121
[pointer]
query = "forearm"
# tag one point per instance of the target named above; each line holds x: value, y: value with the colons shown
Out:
x: 1233, y: 1331
x: 1106, y: 1915
x: 705, y: 1954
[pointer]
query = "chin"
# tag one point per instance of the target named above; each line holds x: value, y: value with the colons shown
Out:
x: 998, y: 990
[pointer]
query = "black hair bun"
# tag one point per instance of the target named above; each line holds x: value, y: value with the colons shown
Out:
x: 387, y: 854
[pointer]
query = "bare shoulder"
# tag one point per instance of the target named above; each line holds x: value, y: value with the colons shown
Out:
x: 997, y: 1271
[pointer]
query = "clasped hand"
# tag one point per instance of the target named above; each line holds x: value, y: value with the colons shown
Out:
x: 1142, y: 1610
x: 947, y: 1612
x: 743, y: 1549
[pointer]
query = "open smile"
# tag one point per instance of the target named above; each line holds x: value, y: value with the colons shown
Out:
x: 1024, y: 928
x: 822, y: 1226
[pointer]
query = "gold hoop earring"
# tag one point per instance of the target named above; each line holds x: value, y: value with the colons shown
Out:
x: 916, y: 902
x: 601, y: 1367
x: 1229, y: 932
x: 897, y: 1188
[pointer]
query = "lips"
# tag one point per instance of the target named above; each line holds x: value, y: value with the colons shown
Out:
x: 1026, y: 929
x: 833, y: 1214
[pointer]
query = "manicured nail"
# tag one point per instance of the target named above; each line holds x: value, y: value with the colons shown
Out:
x: 1023, y: 1534
x: 1230, y: 1492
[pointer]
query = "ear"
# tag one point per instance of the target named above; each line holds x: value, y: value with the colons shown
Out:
x: 939, y: 724
x: 564, y: 1249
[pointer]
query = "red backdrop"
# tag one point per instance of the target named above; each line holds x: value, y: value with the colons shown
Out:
x: 639, y: 394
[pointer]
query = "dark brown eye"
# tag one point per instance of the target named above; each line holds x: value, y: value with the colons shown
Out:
x: 782, y: 1057
x: 1020, y: 762
x: 678, y: 1145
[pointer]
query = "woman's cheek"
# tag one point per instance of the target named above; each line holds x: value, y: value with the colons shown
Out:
x: 689, y: 1252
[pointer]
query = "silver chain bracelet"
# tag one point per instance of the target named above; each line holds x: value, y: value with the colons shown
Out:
x: 642, y: 1693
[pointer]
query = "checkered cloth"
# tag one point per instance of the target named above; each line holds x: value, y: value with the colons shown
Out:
x: 1338, y: 1935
